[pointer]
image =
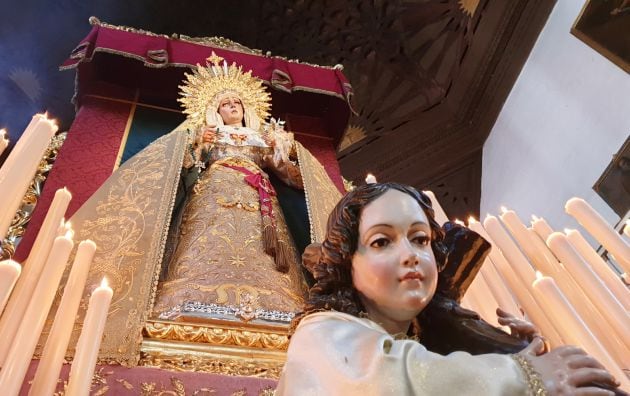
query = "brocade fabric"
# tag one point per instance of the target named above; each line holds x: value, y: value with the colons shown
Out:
x: 219, y: 257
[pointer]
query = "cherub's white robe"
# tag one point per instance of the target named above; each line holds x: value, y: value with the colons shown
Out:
x: 332, y: 353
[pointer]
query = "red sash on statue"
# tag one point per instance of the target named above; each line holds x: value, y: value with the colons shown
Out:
x: 272, y: 245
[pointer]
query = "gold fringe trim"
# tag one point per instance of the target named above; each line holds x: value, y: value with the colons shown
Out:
x: 535, y: 385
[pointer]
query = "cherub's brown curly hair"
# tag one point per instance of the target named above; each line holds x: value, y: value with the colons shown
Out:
x: 331, y: 262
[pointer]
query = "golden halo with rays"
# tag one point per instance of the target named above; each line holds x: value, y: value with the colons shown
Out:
x: 469, y: 6
x: 207, y: 85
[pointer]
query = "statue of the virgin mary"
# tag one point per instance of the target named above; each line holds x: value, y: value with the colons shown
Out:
x: 232, y: 248
x: 190, y: 227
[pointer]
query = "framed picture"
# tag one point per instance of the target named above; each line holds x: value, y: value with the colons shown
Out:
x: 604, y: 25
x: 614, y: 184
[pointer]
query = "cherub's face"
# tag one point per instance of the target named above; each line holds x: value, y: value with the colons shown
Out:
x: 231, y: 110
x: 394, y: 269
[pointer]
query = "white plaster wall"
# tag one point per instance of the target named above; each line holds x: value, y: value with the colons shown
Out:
x: 567, y: 114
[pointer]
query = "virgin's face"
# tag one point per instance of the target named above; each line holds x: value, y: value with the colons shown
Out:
x: 394, y: 269
x: 231, y: 110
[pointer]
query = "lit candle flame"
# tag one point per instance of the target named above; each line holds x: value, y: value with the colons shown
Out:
x: 370, y: 179
x: 535, y: 218
x: 472, y: 220
x: 539, y: 275
x: 104, y: 282
x: 69, y: 234
x: 568, y: 230
x: 461, y: 223
x: 503, y: 209
x: 3, y: 133
x: 51, y: 121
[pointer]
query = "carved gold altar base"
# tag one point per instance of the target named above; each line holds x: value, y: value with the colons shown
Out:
x: 217, y: 347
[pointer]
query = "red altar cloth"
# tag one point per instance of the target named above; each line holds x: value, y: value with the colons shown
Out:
x: 118, y: 380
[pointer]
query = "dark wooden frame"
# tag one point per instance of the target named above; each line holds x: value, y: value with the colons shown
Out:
x: 582, y: 29
x: 611, y: 185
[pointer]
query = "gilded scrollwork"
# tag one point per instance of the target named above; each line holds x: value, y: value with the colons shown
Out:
x: 218, y: 335
x: 30, y: 199
x: 120, y: 218
x: 224, y: 366
x: 321, y: 193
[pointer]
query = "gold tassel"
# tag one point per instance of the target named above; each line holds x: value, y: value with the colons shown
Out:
x: 274, y: 247
x: 282, y: 256
x: 269, y: 236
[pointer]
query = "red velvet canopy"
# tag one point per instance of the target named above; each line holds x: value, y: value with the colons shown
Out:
x: 154, y: 65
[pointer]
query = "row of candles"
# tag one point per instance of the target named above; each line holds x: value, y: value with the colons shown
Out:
x: 27, y: 291
x: 580, y: 299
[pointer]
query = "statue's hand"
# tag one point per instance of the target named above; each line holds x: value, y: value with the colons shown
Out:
x: 209, y: 134
x: 519, y: 328
x: 568, y: 370
x: 269, y: 139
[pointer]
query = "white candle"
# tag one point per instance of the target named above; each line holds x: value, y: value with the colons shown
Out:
x: 581, y: 301
x: 498, y: 288
x: 32, y: 270
x: 89, y: 343
x: 520, y: 289
x: 606, y: 303
x: 52, y: 358
x: 20, y: 167
x: 573, y: 329
x: 510, y: 249
x: 522, y: 236
x: 468, y: 303
x: 9, y: 274
x: 486, y: 305
x: 440, y: 215
x: 541, y: 227
x: 25, y: 340
x: 370, y: 179
x: 595, y: 224
x: 603, y: 270
x: 22, y: 144
x: 4, y: 142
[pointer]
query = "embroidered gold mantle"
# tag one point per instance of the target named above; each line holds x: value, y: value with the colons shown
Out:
x: 220, y: 258
x: 128, y: 219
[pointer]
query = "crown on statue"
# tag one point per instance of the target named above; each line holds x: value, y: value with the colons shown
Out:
x: 207, y: 85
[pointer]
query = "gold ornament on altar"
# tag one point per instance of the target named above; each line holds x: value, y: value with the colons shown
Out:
x: 207, y: 85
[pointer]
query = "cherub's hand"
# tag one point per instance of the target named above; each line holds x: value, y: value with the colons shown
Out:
x: 568, y: 370
x: 520, y: 328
